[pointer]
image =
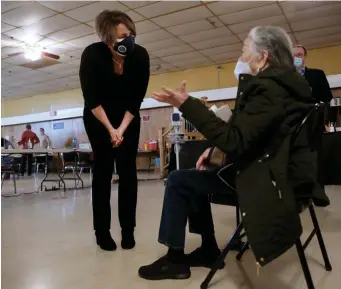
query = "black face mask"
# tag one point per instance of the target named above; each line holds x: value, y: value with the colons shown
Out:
x: 125, y: 46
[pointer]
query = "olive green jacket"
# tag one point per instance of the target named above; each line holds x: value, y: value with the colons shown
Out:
x: 268, y: 107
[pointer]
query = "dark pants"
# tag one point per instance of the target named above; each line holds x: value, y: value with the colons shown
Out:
x: 28, y: 158
x: 187, y: 196
x: 104, y: 159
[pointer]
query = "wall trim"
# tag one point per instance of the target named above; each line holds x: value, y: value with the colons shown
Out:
x: 148, y: 103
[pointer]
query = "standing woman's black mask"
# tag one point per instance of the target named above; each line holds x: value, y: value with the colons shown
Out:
x: 125, y: 46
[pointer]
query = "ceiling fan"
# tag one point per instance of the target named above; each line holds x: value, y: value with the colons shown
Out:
x: 34, y: 52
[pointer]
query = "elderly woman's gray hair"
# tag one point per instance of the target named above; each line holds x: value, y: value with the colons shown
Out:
x: 106, y: 22
x: 276, y: 42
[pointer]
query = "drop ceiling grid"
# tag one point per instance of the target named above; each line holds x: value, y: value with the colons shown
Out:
x: 178, y: 35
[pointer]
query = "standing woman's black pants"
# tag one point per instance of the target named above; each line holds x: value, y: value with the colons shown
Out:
x: 104, y: 159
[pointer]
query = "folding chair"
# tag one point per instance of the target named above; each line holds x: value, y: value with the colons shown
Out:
x: 9, y: 166
x: 302, y: 205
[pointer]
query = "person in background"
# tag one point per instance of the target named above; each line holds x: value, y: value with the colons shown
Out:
x: 45, y: 140
x: 114, y: 76
x: 28, y: 136
x: 322, y: 93
x: 315, y: 77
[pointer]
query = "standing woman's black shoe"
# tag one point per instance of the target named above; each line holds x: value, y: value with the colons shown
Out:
x: 105, y: 241
x: 128, y: 240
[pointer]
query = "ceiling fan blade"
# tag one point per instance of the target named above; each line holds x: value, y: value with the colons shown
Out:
x: 15, y: 54
x: 50, y: 55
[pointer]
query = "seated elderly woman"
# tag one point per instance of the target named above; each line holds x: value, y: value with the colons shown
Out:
x: 272, y: 99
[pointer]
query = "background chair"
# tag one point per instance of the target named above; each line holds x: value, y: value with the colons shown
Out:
x: 301, y: 205
x: 10, y: 166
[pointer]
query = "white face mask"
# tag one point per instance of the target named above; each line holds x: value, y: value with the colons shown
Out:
x: 242, y: 68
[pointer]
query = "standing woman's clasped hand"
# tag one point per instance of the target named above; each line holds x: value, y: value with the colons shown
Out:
x: 173, y: 97
x: 116, y: 137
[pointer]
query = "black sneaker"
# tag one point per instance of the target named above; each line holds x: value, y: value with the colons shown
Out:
x: 164, y: 269
x: 105, y: 241
x: 204, y: 258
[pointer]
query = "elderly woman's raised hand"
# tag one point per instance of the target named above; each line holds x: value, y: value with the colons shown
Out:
x: 173, y: 97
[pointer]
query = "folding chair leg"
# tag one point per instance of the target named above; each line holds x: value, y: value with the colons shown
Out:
x: 221, y: 258
x: 15, y: 184
x: 3, y: 179
x: 327, y: 264
x: 242, y: 251
x: 304, y: 265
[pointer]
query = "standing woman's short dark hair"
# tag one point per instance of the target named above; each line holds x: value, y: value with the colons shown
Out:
x: 106, y: 22
x: 28, y: 126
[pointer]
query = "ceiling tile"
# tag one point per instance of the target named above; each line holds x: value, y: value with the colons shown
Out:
x: 26, y: 14
x: 14, y: 70
x: 156, y: 62
x: 83, y: 42
x: 326, y: 44
x: 51, y: 24
x: 68, y: 71
x: 192, y: 27
x: 323, y: 39
x: 9, y: 5
x: 5, y: 27
x: 135, y: 16
x: 46, y: 42
x: 314, y: 12
x: 60, y: 48
x: 206, y: 35
x: 76, y: 53
x: 89, y: 12
x: 251, y: 14
x: 145, y: 26
x: 91, y: 24
x: 5, y: 65
x: 62, y: 6
x: 216, y: 22
x: 223, y: 7
x: 217, y: 42
x: 163, y: 44
x: 153, y: 36
x: 5, y: 52
x: 8, y: 41
x: 55, y: 68
x: 24, y: 35
x: 185, y: 16
x: 136, y: 4
x: 222, y: 49
x: 173, y: 50
x: 247, y: 26
x: 165, y: 7
x: 64, y: 58
x: 318, y: 32
x: 316, y: 23
x: 17, y: 60
x: 225, y: 56
x: 193, y: 63
x: 292, y: 6
x: 71, y: 33
x: 182, y: 57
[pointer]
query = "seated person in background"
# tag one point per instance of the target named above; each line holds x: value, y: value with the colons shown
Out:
x: 316, y: 77
x: 5, y: 143
x: 28, y: 136
x: 45, y: 140
x: 272, y: 100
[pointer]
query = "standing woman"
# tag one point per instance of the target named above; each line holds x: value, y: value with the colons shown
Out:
x: 114, y: 76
